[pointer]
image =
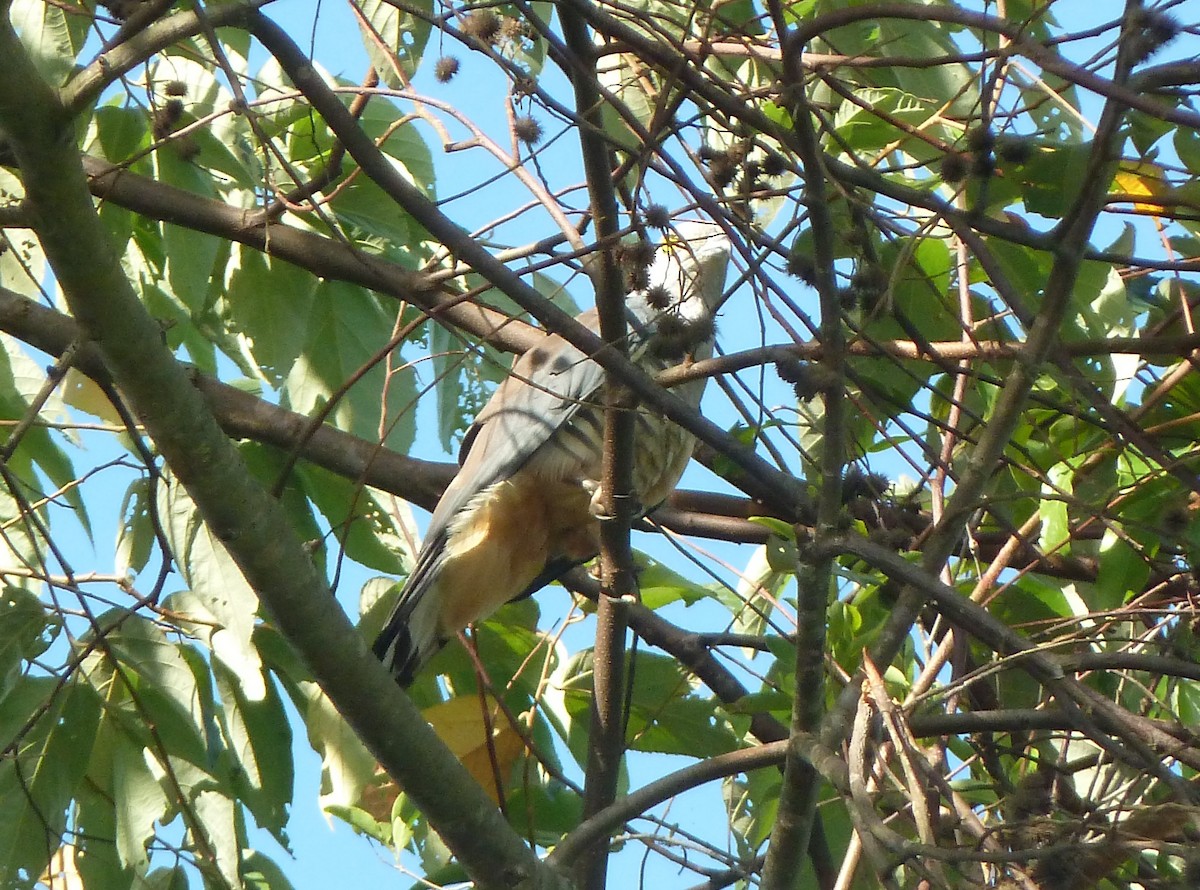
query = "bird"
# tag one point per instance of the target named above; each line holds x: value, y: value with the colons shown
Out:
x: 523, y: 508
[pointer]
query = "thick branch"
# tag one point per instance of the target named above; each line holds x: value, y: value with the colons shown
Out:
x: 321, y: 256
x: 245, y: 416
x: 801, y: 789
x: 252, y: 526
x: 606, y: 735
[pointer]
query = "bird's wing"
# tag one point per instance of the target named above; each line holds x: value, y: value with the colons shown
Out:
x: 546, y: 387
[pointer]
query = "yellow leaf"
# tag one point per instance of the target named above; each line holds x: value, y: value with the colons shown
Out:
x: 1141, y: 179
x: 461, y: 724
x: 61, y: 873
x: 80, y: 391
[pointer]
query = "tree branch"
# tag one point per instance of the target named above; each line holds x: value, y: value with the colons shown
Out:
x: 606, y: 736
x: 306, y: 250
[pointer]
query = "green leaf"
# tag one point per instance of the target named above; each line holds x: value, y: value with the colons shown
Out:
x: 52, y: 35
x: 21, y: 382
x: 26, y: 630
x: 138, y: 802
x: 1056, y: 529
x: 395, y: 38
x: 95, y: 817
x: 665, y: 716
x: 752, y: 802
x: 868, y: 129
x: 260, y: 739
x: 156, y: 686
x: 51, y: 730
x: 463, y: 381
x: 135, y: 535
x: 261, y: 873
x: 268, y: 303
x: 219, y: 817
x: 375, y: 603
x: 118, y: 133
x: 368, y: 531
x: 1187, y: 145
x: 1052, y: 177
x: 1123, y: 571
x: 346, y: 331
x: 659, y: 585
x: 346, y: 766
x: 268, y: 466
x: 221, y: 593
x: 165, y: 879
x: 555, y: 810
x: 768, y: 571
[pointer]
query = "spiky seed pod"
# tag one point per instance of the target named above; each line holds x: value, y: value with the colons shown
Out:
x: 858, y: 483
x: 185, y: 147
x: 1068, y: 798
x: 700, y: 330
x: 1162, y: 27
x: 528, y: 130
x: 1175, y: 522
x: 1032, y: 796
x: 954, y: 167
x: 983, y: 164
x: 870, y: 281
x: 638, y: 253
x: 658, y: 297
x: 670, y: 339
x: 807, y: 379
x: 175, y: 88
x: 122, y: 9
x: 774, y: 164
x: 524, y: 85
x: 1057, y: 872
x: 723, y: 169
x: 790, y: 370
x: 658, y: 216
x: 445, y: 68
x: 512, y: 29
x: 980, y: 139
x: 635, y: 258
x: 1191, y: 869
x: 1152, y: 30
x: 718, y: 159
x: 166, y: 117
x: 482, y: 24
x: 803, y: 266
x: 856, y: 235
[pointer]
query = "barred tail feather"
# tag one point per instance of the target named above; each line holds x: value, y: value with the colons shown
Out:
x: 411, y: 637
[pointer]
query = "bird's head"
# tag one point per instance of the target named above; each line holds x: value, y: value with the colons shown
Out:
x: 687, y: 278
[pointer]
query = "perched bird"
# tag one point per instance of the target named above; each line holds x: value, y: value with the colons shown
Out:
x: 522, y: 510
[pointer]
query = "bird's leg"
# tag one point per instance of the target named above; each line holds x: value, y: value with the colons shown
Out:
x: 592, y: 487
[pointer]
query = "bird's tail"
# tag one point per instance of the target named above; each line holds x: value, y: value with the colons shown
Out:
x: 411, y: 636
